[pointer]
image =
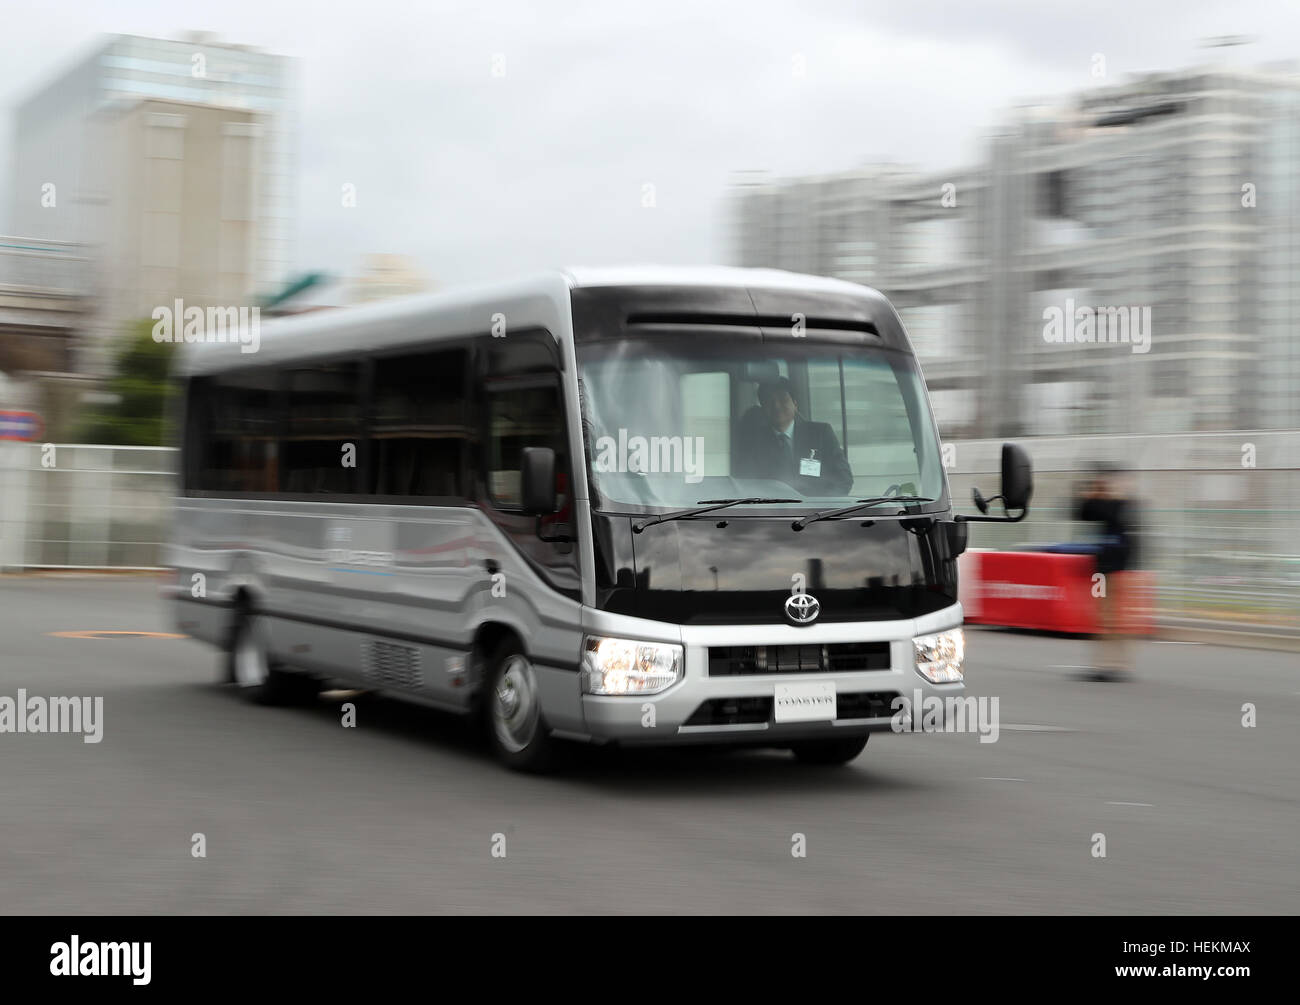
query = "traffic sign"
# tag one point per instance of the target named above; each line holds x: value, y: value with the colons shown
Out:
x: 20, y: 425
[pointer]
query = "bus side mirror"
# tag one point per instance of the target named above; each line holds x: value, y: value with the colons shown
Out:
x: 958, y: 534
x: 1017, y: 488
x: 1017, y: 477
x: 537, y: 481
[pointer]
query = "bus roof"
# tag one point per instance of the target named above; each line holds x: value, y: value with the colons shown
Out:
x: 708, y: 275
x: 540, y: 300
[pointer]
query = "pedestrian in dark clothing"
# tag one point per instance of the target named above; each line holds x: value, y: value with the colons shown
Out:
x: 1104, y: 501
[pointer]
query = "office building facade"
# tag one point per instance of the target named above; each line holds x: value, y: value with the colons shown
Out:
x: 1158, y: 220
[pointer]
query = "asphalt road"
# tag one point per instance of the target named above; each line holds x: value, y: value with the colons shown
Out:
x: 300, y: 815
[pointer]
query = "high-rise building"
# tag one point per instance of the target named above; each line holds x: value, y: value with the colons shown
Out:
x: 1163, y: 214
x: 183, y: 213
x: 181, y: 151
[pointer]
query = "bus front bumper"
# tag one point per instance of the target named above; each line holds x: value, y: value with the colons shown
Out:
x: 776, y: 708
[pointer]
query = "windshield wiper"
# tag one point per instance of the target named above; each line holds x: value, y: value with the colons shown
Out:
x: 829, y: 514
x: 707, y: 506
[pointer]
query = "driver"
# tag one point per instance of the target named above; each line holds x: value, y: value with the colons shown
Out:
x: 784, y: 446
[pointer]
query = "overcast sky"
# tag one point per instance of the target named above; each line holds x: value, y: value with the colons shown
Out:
x: 479, y: 176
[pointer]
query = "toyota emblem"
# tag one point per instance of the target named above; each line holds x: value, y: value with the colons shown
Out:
x: 802, y: 608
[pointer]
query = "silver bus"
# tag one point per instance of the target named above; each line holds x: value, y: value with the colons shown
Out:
x: 634, y: 506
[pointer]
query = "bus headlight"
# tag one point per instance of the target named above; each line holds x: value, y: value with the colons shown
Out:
x: 622, y: 666
x: 939, y: 657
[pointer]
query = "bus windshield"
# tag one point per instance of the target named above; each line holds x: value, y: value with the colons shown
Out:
x: 672, y: 422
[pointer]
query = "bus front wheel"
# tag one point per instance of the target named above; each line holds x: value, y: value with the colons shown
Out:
x: 515, y: 726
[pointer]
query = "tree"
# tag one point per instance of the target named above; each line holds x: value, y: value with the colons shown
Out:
x: 141, y: 414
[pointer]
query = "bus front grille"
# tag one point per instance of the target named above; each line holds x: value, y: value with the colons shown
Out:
x: 865, y: 705
x: 731, y: 712
x: 389, y: 665
x: 834, y: 657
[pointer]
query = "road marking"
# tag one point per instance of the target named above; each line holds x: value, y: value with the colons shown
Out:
x: 95, y: 633
x: 985, y: 778
x: 1113, y: 803
x: 1068, y: 666
x: 1174, y: 642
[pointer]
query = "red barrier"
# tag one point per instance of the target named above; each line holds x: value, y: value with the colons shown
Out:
x: 1048, y: 592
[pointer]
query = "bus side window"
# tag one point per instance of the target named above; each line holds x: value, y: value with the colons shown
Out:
x: 419, y: 427
x: 241, y: 435
x: 324, y: 418
x: 519, y: 418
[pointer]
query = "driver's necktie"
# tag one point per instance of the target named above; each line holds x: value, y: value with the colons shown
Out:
x: 786, y: 455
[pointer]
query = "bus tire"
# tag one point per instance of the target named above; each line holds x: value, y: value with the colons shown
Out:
x: 838, y: 751
x: 260, y: 679
x: 512, y: 711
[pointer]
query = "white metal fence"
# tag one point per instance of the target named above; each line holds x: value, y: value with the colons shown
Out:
x: 1221, y: 529
x: 1221, y: 514
x: 80, y: 506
